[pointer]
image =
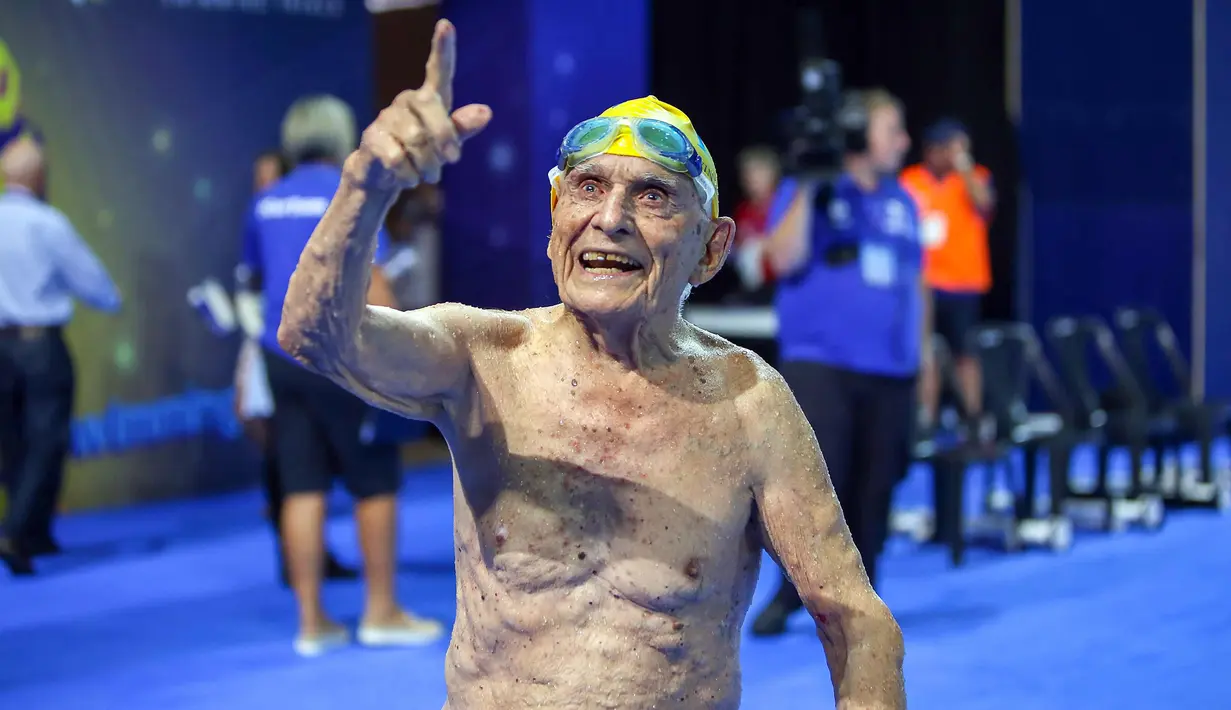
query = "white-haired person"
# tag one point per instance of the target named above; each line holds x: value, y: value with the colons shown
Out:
x: 317, y: 426
x: 253, y: 400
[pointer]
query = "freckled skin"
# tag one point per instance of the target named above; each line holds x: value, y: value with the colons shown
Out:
x: 599, y: 564
x: 616, y: 470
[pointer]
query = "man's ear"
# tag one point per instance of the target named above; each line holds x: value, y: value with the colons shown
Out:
x: 717, y: 247
x: 553, y: 227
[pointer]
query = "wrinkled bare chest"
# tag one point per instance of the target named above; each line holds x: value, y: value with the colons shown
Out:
x: 653, y: 503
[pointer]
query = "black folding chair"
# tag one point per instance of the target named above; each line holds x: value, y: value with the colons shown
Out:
x: 1011, y: 361
x: 1197, y: 420
x: 1121, y: 412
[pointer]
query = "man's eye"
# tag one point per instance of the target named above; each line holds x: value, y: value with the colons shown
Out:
x: 589, y: 187
x: 655, y: 195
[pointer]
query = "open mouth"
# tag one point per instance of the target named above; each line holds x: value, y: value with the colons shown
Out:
x: 606, y: 263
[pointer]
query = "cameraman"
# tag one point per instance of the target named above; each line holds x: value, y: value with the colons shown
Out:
x: 852, y: 311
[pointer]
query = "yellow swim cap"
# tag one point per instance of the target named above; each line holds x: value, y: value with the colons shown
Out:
x: 651, y: 107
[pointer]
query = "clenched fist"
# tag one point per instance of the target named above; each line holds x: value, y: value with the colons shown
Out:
x: 419, y: 132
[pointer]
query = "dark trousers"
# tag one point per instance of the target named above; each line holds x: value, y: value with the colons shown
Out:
x: 863, y: 424
x: 36, y: 407
x: 271, y: 484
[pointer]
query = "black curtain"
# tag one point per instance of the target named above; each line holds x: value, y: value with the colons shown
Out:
x: 402, y: 40
x: 733, y: 65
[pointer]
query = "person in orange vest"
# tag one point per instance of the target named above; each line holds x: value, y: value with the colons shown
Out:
x: 956, y: 200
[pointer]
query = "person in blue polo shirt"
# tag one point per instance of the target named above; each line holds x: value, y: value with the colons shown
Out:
x: 852, y: 317
x: 254, y: 402
x: 318, y: 427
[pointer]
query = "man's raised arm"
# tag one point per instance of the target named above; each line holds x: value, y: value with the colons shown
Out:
x: 803, y: 528
x: 399, y: 361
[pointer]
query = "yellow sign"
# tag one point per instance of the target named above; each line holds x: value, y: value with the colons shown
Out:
x: 10, y: 88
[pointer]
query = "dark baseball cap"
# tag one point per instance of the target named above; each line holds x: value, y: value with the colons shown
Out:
x: 944, y: 131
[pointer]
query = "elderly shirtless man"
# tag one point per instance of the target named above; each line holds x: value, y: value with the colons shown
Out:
x: 616, y: 470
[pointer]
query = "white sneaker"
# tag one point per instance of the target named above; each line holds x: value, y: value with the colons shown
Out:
x: 313, y: 646
x: 413, y: 631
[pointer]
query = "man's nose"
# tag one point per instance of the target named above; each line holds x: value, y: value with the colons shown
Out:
x: 615, y: 216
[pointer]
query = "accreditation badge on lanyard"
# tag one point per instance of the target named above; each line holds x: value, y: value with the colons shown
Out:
x: 878, y: 262
x: 879, y: 265
x: 935, y: 230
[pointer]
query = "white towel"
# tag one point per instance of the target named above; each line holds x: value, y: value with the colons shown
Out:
x: 211, y: 302
x: 257, y: 401
x: 250, y: 313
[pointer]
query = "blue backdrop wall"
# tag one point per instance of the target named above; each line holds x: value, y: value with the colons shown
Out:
x: 542, y: 68
x: 153, y: 111
x: 1217, y: 153
x: 1106, y: 145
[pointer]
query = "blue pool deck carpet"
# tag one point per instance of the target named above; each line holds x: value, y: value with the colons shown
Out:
x: 174, y: 606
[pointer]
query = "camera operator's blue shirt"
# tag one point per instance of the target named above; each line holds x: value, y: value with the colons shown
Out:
x: 863, y: 315
x: 278, y: 227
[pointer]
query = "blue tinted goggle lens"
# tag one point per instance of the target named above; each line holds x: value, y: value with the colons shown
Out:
x: 659, y: 137
x: 664, y: 138
x: 589, y: 132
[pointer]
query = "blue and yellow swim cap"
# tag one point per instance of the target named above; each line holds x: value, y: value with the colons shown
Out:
x: 643, y: 128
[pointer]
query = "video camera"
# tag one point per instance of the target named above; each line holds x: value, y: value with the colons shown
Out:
x: 825, y: 125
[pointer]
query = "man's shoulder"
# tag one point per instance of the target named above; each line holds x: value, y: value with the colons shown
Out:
x: 914, y: 181
x: 748, y: 376
x: 896, y: 188
x: 39, y: 213
x: 898, y: 198
x: 763, y: 398
x: 912, y: 173
x: 767, y: 389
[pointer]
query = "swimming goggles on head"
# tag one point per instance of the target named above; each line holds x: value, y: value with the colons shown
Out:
x: 652, y: 139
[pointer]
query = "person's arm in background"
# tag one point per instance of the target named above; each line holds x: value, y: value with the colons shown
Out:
x: 249, y: 273
x: 926, y: 300
x: 920, y: 245
x: 82, y: 271
x: 380, y: 291
x: 928, y: 307
x: 787, y: 243
x: 748, y: 255
x: 250, y: 279
x: 978, y: 183
x: 247, y: 352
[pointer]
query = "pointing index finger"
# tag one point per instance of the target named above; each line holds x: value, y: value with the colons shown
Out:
x: 441, y: 62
